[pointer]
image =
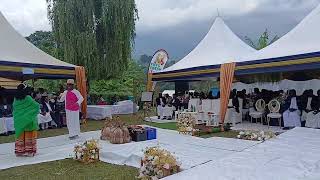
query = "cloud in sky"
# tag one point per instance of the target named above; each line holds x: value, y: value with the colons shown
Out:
x: 178, y: 25
x: 157, y: 14
x: 26, y: 16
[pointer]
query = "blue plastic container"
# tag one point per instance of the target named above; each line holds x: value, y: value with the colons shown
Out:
x: 151, y: 133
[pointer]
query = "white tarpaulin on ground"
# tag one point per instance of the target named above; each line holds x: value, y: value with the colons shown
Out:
x: 293, y: 155
x: 191, y: 151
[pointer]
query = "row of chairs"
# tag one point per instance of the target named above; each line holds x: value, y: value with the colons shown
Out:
x: 259, y: 113
x: 209, y: 111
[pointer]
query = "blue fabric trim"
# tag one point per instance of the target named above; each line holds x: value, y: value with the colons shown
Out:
x: 288, y: 68
x: 191, y: 69
x: 2, y: 62
x: 186, y: 78
x: 278, y: 59
x: 19, y: 75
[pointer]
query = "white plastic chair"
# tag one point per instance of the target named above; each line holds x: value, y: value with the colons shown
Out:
x: 231, y: 115
x: 215, y: 116
x: 207, y: 108
x: 194, y: 103
x: 259, y: 113
x: 274, y: 108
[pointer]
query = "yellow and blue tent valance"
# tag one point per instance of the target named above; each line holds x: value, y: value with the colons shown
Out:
x: 19, y: 70
x: 307, y: 61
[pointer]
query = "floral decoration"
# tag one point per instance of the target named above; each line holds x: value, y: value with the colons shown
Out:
x: 256, y: 135
x: 186, y: 123
x: 87, y: 152
x: 157, y: 163
x: 115, y: 131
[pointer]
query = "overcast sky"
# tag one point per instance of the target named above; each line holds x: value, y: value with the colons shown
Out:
x: 179, y: 25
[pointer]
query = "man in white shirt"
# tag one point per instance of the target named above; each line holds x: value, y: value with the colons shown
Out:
x: 73, y: 100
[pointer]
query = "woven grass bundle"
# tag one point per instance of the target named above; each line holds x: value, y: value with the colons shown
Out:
x: 115, y: 131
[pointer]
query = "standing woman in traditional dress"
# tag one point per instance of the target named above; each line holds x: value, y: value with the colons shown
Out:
x: 73, y: 100
x: 25, y: 111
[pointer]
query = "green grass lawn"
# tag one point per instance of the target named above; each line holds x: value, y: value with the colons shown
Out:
x: 128, y: 119
x: 69, y: 169
x: 226, y: 134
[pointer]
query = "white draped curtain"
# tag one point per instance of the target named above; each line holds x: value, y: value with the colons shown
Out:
x: 285, y: 84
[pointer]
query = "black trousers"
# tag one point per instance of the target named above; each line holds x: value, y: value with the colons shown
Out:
x: 57, y: 118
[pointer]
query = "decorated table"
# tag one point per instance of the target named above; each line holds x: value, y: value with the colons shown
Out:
x: 167, y: 111
x: 99, y: 112
x: 6, y: 125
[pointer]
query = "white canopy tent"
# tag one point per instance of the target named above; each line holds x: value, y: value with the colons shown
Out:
x: 17, y: 54
x: 297, y: 50
x: 219, y: 46
x: 304, y: 38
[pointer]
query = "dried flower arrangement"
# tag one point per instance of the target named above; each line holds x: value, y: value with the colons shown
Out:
x: 88, y: 152
x: 256, y: 135
x: 157, y: 163
x: 115, y: 131
x: 186, y: 124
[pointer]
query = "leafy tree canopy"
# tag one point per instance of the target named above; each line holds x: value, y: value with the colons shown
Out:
x: 263, y: 40
x: 97, y: 34
x: 43, y: 40
x: 130, y: 83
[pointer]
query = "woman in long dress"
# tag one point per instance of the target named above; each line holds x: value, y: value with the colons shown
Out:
x: 25, y: 111
x: 291, y: 116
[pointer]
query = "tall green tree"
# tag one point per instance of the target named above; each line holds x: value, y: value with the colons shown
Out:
x: 97, y: 34
x: 131, y: 82
x: 263, y: 40
x: 44, y: 40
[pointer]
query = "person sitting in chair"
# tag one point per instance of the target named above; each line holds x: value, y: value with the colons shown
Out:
x: 160, y: 104
x: 5, y: 108
x: 233, y: 108
x: 313, y: 117
x: 306, y: 107
x: 291, y: 115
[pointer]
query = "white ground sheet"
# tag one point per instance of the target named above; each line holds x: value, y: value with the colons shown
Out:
x: 294, y: 155
x: 191, y: 151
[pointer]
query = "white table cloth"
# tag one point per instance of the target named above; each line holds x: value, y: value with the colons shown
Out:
x: 167, y: 111
x: 6, y: 124
x: 99, y: 112
x: 195, y: 103
x: 313, y: 120
x: 124, y: 107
